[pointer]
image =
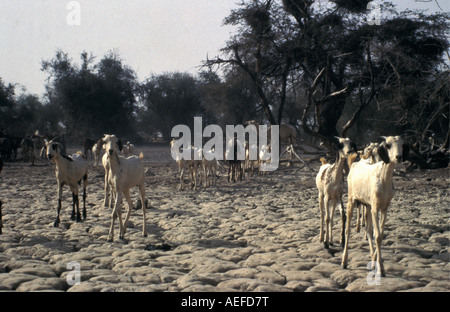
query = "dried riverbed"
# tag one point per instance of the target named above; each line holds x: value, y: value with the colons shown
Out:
x: 256, y: 235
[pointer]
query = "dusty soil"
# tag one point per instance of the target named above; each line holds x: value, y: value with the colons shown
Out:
x: 261, y: 234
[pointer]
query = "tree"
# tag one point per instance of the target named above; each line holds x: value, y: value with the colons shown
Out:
x: 331, y: 51
x: 7, y: 103
x: 95, y: 98
x: 230, y: 101
x: 168, y: 100
x: 261, y: 50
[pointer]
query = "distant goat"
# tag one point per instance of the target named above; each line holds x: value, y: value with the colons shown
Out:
x: 209, y: 168
x: 128, y: 149
x: 27, y: 148
x: 96, y: 149
x: 235, y: 171
x: 193, y: 165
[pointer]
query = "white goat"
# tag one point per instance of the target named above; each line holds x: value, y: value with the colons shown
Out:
x: 128, y: 150
x: 369, y: 155
x: 191, y: 164
x: 249, y: 164
x: 69, y: 171
x: 124, y: 173
x: 371, y: 184
x: 209, y: 168
x: 263, y: 158
x: 330, y: 182
x: 96, y: 149
x: 109, y: 191
x: 235, y: 155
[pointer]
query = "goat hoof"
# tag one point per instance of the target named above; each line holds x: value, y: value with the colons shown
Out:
x: 72, y: 217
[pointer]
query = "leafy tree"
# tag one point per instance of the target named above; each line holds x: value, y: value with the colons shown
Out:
x: 230, y: 101
x: 7, y: 102
x: 330, y: 50
x: 168, y: 100
x: 95, y: 98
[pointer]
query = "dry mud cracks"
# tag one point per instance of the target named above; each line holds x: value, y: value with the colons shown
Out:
x: 257, y: 235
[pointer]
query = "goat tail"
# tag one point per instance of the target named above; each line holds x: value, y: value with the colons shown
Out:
x: 323, y: 160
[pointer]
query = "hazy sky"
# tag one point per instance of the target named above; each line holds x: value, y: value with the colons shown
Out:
x: 151, y: 36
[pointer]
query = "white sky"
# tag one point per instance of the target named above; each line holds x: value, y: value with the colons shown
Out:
x: 151, y: 36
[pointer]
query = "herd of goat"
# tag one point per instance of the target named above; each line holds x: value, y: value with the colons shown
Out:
x: 369, y: 181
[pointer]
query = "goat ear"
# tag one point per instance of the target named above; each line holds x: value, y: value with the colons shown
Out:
x: 405, y: 152
x: 383, y: 154
x: 335, y: 144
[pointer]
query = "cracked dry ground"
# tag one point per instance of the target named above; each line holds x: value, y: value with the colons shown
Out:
x: 256, y: 235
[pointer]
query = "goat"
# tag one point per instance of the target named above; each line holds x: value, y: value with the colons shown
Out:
x: 124, y: 173
x: 69, y: 171
x: 109, y: 191
x: 209, y: 168
x: 249, y: 164
x: 232, y: 156
x: 96, y: 149
x: 263, y: 158
x: 27, y: 148
x: 330, y: 183
x: 191, y: 164
x: 87, y: 144
x: 371, y: 184
x: 128, y: 149
x: 371, y: 156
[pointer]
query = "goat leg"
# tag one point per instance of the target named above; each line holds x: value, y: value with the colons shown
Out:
x: 84, y: 204
x: 56, y: 224
x: 1, y: 219
x: 72, y: 217
x: 343, y: 219
x: 350, y: 206
x: 77, y: 204
x: 144, y: 208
